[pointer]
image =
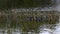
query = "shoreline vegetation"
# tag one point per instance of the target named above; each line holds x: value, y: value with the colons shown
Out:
x: 27, y: 21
